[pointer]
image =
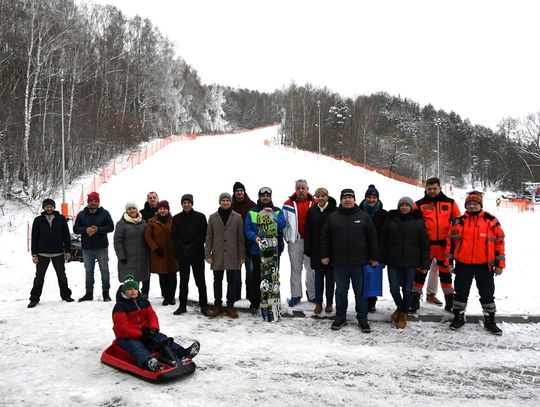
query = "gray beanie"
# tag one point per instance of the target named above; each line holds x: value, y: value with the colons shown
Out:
x: 131, y: 204
x: 405, y: 200
x: 225, y: 195
x: 187, y: 197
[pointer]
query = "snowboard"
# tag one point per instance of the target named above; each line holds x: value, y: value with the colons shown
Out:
x: 270, y: 296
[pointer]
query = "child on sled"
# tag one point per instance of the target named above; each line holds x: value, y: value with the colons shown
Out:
x: 136, y: 328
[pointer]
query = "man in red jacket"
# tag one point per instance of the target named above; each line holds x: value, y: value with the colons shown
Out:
x: 476, y: 244
x: 438, y: 211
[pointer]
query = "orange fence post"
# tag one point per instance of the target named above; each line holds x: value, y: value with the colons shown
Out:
x: 65, y: 211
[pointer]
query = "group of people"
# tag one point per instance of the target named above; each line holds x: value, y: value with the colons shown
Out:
x: 329, y: 242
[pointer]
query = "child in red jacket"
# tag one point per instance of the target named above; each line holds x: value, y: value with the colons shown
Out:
x: 136, y: 327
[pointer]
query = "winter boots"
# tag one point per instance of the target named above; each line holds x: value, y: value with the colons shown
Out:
x: 106, y: 296
x: 459, y: 320
x: 318, y: 309
x: 32, y: 303
x: 231, y: 311
x: 87, y: 297
x: 180, y: 310
x: 338, y: 324
x: 216, y: 311
x: 372, y: 304
x: 490, y: 324
x: 449, y: 298
x: 193, y: 350
x: 432, y: 299
x: 401, y: 322
x: 329, y: 308
x: 364, y: 326
x: 415, y: 303
x: 153, y: 364
x: 395, y: 315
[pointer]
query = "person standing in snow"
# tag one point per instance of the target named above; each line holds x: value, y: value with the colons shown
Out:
x: 225, y: 249
x: 295, y: 210
x: 162, y: 254
x: 476, y: 244
x: 374, y: 208
x: 316, y: 217
x: 241, y: 203
x: 130, y: 246
x: 438, y: 212
x: 51, y: 243
x: 406, y: 249
x: 251, y: 229
x: 349, y: 241
x: 150, y: 206
x: 93, y: 223
x: 188, y: 234
x: 136, y: 327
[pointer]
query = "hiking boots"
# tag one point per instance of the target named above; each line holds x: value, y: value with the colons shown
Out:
x: 364, y: 326
x: 432, y: 299
x: 180, y: 310
x: 415, y: 303
x: 32, y: 304
x: 193, y: 350
x: 216, y: 311
x: 153, y: 365
x: 490, y: 324
x: 318, y: 309
x: 395, y: 314
x: 449, y: 298
x: 338, y: 324
x: 106, y: 296
x: 231, y: 311
x: 329, y: 308
x: 459, y: 320
x: 401, y: 322
x: 87, y: 297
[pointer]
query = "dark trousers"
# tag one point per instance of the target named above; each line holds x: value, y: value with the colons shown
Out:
x: 321, y: 274
x: 342, y: 276
x: 39, y: 280
x: 249, y: 270
x: 401, y: 281
x: 140, y: 353
x: 254, y: 283
x: 198, y: 275
x: 485, y: 283
x: 167, y: 282
x: 232, y: 281
x: 145, y: 287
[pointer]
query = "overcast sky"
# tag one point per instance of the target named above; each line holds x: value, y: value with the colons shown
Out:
x: 479, y: 58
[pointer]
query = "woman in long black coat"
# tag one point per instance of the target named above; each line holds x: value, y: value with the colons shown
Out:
x: 406, y: 248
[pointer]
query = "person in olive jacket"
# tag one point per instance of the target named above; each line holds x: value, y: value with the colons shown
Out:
x: 188, y: 235
x: 316, y: 217
x: 51, y: 242
x: 162, y: 254
x: 93, y: 223
x: 131, y: 248
x: 406, y: 249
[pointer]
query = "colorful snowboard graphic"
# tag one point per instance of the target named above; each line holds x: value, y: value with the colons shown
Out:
x: 270, y: 297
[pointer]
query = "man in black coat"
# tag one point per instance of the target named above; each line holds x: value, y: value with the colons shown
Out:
x: 150, y: 206
x: 349, y: 240
x: 51, y: 242
x: 188, y: 234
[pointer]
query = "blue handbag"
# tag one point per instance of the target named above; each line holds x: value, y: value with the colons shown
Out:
x: 373, y: 280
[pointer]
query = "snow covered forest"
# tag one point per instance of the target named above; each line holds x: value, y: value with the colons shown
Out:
x: 118, y: 82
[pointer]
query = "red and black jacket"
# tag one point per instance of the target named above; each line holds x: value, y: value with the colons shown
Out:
x: 438, y: 214
x: 131, y: 317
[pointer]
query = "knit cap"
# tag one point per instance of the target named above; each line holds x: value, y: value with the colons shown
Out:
x: 372, y: 191
x: 131, y: 204
x: 129, y: 282
x: 187, y: 197
x: 405, y: 201
x: 238, y: 185
x: 46, y: 202
x: 164, y: 204
x: 474, y: 197
x: 225, y: 195
x: 347, y: 192
x: 93, y: 196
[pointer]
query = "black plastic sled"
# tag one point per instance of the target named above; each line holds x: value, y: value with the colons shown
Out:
x: 118, y: 358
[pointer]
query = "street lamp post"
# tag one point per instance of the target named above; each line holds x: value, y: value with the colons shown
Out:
x: 319, y: 107
x: 437, y: 123
x: 64, y: 204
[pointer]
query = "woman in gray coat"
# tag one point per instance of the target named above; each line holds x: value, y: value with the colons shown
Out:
x: 130, y: 247
x: 225, y: 249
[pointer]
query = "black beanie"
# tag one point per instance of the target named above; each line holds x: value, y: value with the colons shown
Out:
x: 46, y: 202
x: 187, y: 197
x: 347, y: 192
x: 372, y: 191
x: 238, y: 185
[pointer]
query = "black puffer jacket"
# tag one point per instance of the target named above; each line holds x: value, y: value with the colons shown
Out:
x: 349, y: 238
x: 406, y: 243
x: 188, y: 234
x: 314, y: 224
x: 54, y: 238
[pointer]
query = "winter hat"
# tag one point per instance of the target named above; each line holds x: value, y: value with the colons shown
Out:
x: 187, y: 197
x: 163, y: 204
x: 93, y: 196
x: 405, y: 201
x: 131, y: 204
x: 238, y: 185
x: 129, y: 282
x: 225, y: 195
x: 46, y: 202
x: 347, y: 192
x: 372, y: 191
x: 474, y: 197
x: 265, y: 190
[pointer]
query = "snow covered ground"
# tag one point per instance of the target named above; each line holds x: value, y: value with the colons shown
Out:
x: 50, y: 354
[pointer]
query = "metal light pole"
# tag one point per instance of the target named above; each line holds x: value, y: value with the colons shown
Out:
x: 64, y: 204
x: 319, y: 107
x: 437, y: 123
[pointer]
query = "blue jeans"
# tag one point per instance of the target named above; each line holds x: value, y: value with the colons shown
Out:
x: 320, y: 286
x: 140, y: 353
x: 342, y: 276
x: 401, y: 278
x: 102, y: 256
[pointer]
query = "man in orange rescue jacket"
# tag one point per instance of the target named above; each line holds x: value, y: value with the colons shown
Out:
x: 476, y: 244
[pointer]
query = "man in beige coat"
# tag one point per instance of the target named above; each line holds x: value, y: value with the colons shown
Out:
x: 225, y: 250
